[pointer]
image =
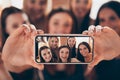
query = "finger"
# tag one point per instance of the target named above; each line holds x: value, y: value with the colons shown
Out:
x: 35, y: 65
x: 23, y: 28
x: 91, y: 30
x: 85, y: 32
x: 92, y: 65
x: 33, y: 30
x: 98, y: 30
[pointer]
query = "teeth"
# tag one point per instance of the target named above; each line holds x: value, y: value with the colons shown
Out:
x: 98, y: 28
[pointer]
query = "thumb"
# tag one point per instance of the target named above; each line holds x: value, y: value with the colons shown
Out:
x: 21, y: 30
x: 36, y: 65
x: 92, y: 65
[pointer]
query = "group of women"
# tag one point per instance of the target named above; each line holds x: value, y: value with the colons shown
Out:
x: 17, y: 58
x: 65, y: 53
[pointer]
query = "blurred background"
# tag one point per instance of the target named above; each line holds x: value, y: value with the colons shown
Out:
x: 54, y: 4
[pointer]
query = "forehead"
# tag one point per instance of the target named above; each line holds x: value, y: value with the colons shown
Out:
x: 17, y: 17
x: 71, y: 39
x: 45, y: 50
x: 106, y: 12
x: 64, y: 49
x: 82, y: 46
x: 54, y: 38
x: 61, y: 16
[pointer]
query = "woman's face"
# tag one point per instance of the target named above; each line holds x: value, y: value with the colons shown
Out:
x: 14, y: 21
x: 107, y: 17
x: 64, y: 54
x: 53, y: 42
x: 83, y: 50
x: 80, y: 7
x: 46, y: 55
x: 71, y: 42
x: 60, y: 23
x: 35, y: 8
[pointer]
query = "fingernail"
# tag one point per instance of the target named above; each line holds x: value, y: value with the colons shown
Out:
x: 99, y: 28
x: 91, y: 28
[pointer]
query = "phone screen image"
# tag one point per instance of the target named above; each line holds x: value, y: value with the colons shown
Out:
x: 64, y: 49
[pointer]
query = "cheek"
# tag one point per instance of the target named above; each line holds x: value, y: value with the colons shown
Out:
x: 51, y: 28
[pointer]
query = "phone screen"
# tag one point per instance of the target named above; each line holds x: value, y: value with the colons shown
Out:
x: 63, y: 49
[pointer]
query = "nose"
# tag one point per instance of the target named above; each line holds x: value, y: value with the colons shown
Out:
x: 61, y: 29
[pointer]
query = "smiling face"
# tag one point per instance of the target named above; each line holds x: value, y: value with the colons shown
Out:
x: 60, y: 23
x: 80, y: 7
x: 71, y: 42
x: 83, y: 50
x: 64, y: 54
x: 46, y: 55
x: 107, y: 17
x: 35, y: 8
x: 53, y: 42
x: 14, y: 21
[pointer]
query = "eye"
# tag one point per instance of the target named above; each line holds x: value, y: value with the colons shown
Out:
x: 15, y: 26
x: 32, y: 1
x: 66, y: 25
x: 67, y: 52
x: 44, y: 54
x: 42, y: 2
x: 77, y: 1
x: 101, y: 20
x: 56, y: 23
x: 112, y: 18
x: 62, y: 52
x: 80, y: 49
x: 86, y: 1
x: 25, y: 22
x: 49, y: 52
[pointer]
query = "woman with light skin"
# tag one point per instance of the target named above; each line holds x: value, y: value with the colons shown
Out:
x: 71, y: 42
x: 45, y: 55
x: 109, y: 15
x: 36, y: 10
x: 80, y: 9
x: 11, y: 19
x: 84, y: 52
x: 65, y: 55
x: 53, y: 44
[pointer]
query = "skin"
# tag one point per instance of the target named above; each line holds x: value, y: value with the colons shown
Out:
x: 53, y: 42
x: 60, y: 23
x: 46, y: 55
x: 71, y: 42
x: 64, y: 54
x: 80, y: 7
x: 15, y: 57
x: 110, y: 19
x: 3, y: 72
x: 35, y: 8
x: 12, y: 23
x: 83, y: 50
x: 104, y: 41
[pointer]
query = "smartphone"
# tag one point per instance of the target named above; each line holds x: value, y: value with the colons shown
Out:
x: 63, y: 49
